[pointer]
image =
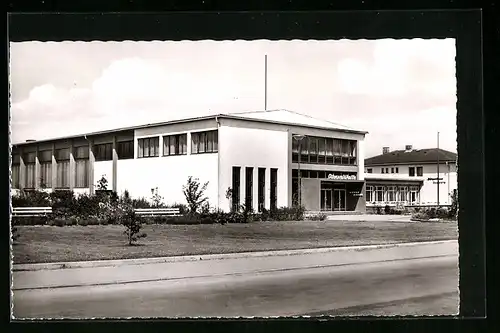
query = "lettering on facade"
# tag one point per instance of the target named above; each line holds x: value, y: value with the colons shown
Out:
x: 341, y: 177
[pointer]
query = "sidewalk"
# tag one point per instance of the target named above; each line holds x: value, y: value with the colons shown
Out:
x: 220, y: 265
x: 370, y: 218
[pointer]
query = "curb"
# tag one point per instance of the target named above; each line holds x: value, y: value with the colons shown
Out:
x: 207, y: 257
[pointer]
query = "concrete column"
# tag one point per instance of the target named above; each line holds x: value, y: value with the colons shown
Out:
x: 37, y: 170
x: 255, y: 189
x: 360, y: 159
x: 22, y: 170
x: 242, y: 185
x: 91, y: 167
x: 72, y: 167
x: 115, y: 163
x: 54, y: 167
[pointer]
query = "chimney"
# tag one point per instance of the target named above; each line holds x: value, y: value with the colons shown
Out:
x: 385, y: 150
x: 408, y: 147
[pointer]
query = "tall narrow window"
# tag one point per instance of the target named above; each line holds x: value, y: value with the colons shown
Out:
x: 369, y: 194
x: 62, y: 158
x: 379, y: 193
x: 304, y: 150
x: 45, y: 158
x: 261, y: 188
x: 204, y: 142
x: 329, y: 151
x: 391, y: 193
x: 313, y: 150
x: 235, y: 198
x: 103, y: 152
x: 369, y: 170
x: 81, y: 155
x: 16, y: 161
x: 175, y: 145
x: 321, y: 150
x: 125, y: 150
x: 295, y: 150
x: 248, y: 187
x: 30, y: 165
x: 274, y: 189
x: 420, y: 171
x: 411, y: 171
x: 148, y: 147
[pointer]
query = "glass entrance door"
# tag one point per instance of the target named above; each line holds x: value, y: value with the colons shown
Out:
x: 326, y: 199
x: 339, y: 199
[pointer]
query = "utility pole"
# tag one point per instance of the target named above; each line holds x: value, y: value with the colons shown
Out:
x: 265, y: 83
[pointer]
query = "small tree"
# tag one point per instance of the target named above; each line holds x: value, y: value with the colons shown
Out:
x: 156, y: 198
x: 195, y: 194
x: 102, y: 184
x: 126, y: 213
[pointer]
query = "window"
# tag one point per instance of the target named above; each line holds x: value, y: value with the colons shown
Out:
x: 391, y: 193
x: 204, y: 142
x: 369, y: 194
x: 414, y: 194
x: 295, y: 150
x: 382, y: 170
x: 125, y: 150
x: 274, y: 188
x: 148, y: 147
x: 321, y: 151
x: 397, y: 170
x: 103, y: 152
x: 313, y: 150
x: 369, y: 170
x: 235, y: 195
x: 16, y: 160
x: 248, y: 187
x: 62, y: 169
x: 379, y: 193
x: 392, y: 170
x: 386, y: 170
x: 261, y: 188
x: 45, y: 158
x: 81, y: 167
x: 175, y: 145
x: 329, y: 151
x: 304, y: 150
x: 403, y: 194
x: 420, y: 171
x: 30, y: 165
x: 411, y: 171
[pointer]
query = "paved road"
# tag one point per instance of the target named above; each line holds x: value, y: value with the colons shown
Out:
x: 415, y: 287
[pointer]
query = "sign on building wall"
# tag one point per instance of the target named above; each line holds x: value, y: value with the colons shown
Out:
x: 341, y: 177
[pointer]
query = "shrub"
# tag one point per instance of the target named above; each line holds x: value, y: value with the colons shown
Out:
x: 33, y: 198
x: 126, y: 214
x: 453, y: 211
x: 58, y: 222
x: 387, y: 209
x: 317, y: 217
x: 420, y: 216
x: 141, y: 203
x: 294, y: 213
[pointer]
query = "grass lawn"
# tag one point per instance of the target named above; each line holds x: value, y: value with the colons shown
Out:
x: 38, y: 244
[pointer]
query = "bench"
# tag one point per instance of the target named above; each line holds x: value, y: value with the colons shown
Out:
x: 157, y: 211
x: 31, y: 211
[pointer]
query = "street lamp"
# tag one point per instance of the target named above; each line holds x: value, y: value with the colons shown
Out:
x: 299, y: 139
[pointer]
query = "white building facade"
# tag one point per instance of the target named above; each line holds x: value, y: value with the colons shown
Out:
x: 424, y: 177
x: 253, y: 154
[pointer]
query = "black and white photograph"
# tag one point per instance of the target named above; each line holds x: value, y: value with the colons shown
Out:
x: 234, y: 179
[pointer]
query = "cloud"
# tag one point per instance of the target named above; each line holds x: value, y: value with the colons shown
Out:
x: 400, y: 91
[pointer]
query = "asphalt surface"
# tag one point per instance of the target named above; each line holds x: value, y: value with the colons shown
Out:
x: 425, y: 286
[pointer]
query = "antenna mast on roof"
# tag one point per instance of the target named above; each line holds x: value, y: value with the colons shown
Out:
x: 265, y: 82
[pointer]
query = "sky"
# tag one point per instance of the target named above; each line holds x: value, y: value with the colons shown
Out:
x: 400, y: 91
